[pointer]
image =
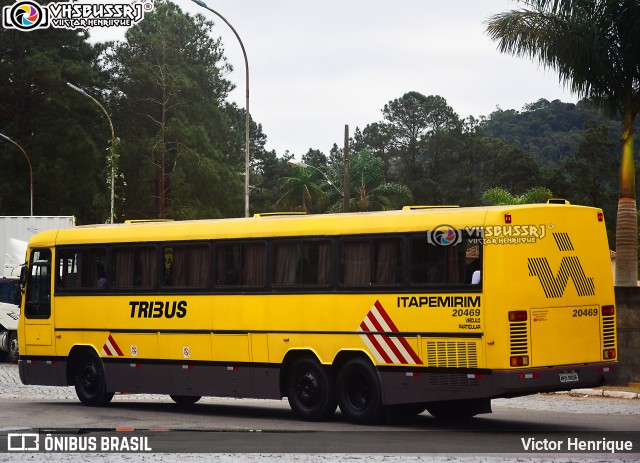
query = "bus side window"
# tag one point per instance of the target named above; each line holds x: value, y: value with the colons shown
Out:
x: 81, y: 269
x: 302, y: 263
x: 433, y: 264
x: 473, y: 269
x: 187, y: 266
x: 38, y: 296
x: 242, y: 265
x: 134, y: 267
x: 355, y: 260
x: 387, y: 261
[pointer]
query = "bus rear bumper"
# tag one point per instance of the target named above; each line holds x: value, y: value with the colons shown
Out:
x: 43, y: 371
x: 433, y: 385
x: 512, y: 383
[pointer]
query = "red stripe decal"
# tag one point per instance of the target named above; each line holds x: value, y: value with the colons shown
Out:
x: 386, y: 339
x: 371, y: 320
x: 115, y: 346
x: 410, y: 350
x: 386, y: 317
x: 379, y: 348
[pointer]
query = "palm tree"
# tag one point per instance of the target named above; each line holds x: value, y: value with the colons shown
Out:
x: 501, y: 197
x: 369, y: 190
x: 301, y: 191
x: 594, y: 45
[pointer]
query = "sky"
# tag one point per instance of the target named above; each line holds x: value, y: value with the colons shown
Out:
x: 318, y: 65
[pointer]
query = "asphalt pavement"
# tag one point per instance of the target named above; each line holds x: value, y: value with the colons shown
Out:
x: 12, y: 388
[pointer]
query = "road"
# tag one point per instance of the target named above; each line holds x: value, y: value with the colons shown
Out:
x: 258, y: 427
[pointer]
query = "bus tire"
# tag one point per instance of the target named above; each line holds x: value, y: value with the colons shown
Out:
x: 90, y: 381
x: 185, y: 400
x: 13, y: 354
x: 359, y: 392
x: 310, y: 390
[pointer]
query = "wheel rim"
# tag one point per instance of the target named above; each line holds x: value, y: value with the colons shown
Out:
x: 359, y: 393
x: 308, y: 389
x: 13, y: 348
x: 89, y: 380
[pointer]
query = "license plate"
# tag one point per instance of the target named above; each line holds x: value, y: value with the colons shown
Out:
x: 568, y: 376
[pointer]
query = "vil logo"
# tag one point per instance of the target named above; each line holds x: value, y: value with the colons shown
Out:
x: 570, y: 268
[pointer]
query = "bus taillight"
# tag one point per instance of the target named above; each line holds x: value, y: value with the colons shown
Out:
x: 507, y: 218
x: 600, y: 216
x: 609, y: 354
x: 520, y: 361
x: 518, y: 316
x: 608, y: 310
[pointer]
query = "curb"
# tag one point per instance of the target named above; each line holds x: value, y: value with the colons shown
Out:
x: 602, y: 393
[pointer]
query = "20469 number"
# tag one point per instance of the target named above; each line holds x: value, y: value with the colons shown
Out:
x: 592, y: 312
x: 466, y: 312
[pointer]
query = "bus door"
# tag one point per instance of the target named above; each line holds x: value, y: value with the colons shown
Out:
x: 38, y: 323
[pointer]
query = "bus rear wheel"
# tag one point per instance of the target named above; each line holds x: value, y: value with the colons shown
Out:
x: 310, y: 390
x: 185, y: 399
x: 359, y: 392
x: 90, y: 381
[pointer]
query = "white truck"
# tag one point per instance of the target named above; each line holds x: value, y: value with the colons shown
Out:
x: 15, y: 232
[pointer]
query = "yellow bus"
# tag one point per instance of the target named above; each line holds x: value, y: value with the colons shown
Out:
x: 437, y: 309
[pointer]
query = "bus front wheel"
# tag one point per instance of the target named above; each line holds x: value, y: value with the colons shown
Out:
x: 359, y: 392
x: 90, y: 382
x: 310, y: 390
x: 13, y: 355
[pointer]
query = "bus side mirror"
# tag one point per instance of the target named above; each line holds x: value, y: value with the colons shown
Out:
x: 17, y: 295
x: 24, y: 271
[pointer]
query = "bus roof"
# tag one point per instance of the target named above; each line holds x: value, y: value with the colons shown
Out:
x: 407, y: 220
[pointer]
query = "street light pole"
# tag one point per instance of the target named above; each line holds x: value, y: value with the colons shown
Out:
x: 113, y: 143
x: 246, y: 122
x: 30, y: 169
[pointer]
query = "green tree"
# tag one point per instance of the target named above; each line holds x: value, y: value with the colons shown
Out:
x: 64, y: 134
x: 301, y: 191
x: 368, y: 189
x: 500, y: 197
x: 594, y: 45
x: 180, y: 152
x: 409, y: 122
